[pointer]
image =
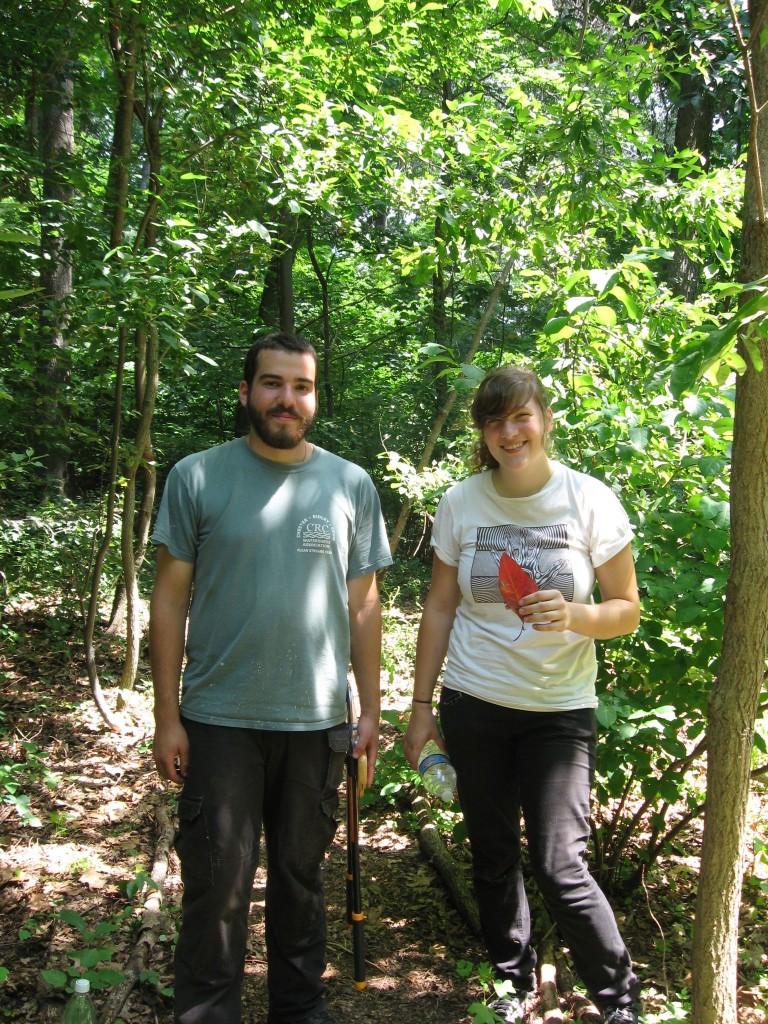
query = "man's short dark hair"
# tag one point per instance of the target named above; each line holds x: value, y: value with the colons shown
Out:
x: 275, y: 340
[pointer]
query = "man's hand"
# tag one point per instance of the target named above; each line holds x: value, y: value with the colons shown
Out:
x: 171, y: 751
x: 368, y: 744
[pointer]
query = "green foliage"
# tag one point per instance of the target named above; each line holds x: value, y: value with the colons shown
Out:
x: 490, y: 986
x: 16, y: 463
x: 139, y: 885
x: 675, y: 1010
x: 93, y: 960
x: 18, y: 776
x: 46, y: 554
x: 393, y: 773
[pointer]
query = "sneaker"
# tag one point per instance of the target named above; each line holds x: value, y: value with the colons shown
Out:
x: 511, y: 1008
x: 622, y: 1014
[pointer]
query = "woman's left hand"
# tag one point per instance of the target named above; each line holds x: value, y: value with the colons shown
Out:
x: 546, y: 610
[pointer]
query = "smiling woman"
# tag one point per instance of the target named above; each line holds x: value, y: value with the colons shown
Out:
x: 512, y: 413
x: 519, y: 548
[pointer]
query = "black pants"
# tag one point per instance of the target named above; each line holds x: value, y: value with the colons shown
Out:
x: 239, y: 781
x: 540, y: 764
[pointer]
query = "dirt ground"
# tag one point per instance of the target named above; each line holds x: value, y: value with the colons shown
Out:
x: 98, y: 832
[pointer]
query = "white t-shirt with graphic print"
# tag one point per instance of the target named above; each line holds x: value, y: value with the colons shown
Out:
x: 558, y: 536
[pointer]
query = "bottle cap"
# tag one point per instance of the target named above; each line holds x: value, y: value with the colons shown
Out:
x: 82, y: 985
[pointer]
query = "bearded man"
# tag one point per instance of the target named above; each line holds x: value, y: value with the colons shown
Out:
x: 266, y: 591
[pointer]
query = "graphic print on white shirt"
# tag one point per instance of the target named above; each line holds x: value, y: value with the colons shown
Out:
x: 541, y: 551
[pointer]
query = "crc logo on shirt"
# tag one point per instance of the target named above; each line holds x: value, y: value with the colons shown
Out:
x: 316, y: 535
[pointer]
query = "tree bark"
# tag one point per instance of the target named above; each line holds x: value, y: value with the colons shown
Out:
x: 736, y: 691
x: 124, y: 52
x: 140, y: 463
x: 277, y: 308
x: 693, y: 130
x: 57, y: 143
x: 323, y: 277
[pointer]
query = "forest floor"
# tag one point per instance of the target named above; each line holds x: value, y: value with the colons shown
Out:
x: 96, y: 838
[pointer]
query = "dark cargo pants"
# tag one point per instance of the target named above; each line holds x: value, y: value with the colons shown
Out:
x: 240, y: 781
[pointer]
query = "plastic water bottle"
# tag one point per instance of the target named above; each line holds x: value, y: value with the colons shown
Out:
x: 80, y: 1008
x: 437, y: 772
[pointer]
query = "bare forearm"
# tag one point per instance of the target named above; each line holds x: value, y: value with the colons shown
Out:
x: 166, y: 640
x: 605, y: 620
x: 431, y: 647
x: 365, y: 657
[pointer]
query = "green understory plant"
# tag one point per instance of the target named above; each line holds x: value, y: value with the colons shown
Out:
x: 491, y: 987
x: 94, y: 960
x: 19, y: 776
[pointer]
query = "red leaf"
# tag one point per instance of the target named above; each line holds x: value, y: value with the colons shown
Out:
x: 514, y: 583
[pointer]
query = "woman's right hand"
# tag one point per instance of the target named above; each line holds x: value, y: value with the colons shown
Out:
x: 421, y: 727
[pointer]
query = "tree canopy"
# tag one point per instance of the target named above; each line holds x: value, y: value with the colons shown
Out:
x: 424, y: 190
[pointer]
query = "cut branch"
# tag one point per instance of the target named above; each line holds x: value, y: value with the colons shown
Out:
x: 153, y: 920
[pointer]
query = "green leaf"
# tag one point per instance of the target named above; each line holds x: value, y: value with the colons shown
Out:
x: 73, y: 919
x: 605, y: 715
x: 606, y: 315
x: 15, y: 293
x: 555, y: 325
x: 579, y: 303
x: 56, y: 979
x: 107, y: 976
x: 603, y: 280
x: 639, y: 437
x: 11, y: 235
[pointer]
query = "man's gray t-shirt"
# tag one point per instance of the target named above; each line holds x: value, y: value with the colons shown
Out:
x: 273, y: 546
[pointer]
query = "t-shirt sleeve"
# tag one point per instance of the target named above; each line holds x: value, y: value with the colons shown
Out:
x: 176, y: 525
x: 445, y: 540
x: 611, y: 528
x: 369, y: 550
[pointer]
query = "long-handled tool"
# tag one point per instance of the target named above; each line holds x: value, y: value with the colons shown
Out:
x: 356, y: 779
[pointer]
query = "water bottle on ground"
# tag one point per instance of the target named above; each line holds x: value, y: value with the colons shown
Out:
x: 80, y: 1008
x: 437, y: 772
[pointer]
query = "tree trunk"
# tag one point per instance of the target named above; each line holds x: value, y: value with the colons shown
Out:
x: 134, y: 535
x: 135, y: 532
x: 57, y: 143
x: 124, y: 53
x: 693, y: 130
x: 276, y: 308
x: 322, y: 277
x: 735, y: 694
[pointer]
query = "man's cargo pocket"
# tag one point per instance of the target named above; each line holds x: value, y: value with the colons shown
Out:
x: 192, y: 842
x: 338, y: 741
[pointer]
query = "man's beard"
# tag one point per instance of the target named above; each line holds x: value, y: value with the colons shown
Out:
x: 279, y: 435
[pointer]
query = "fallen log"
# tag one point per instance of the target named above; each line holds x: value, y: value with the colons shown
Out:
x: 434, y: 849
x: 548, y: 995
x: 153, y: 920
